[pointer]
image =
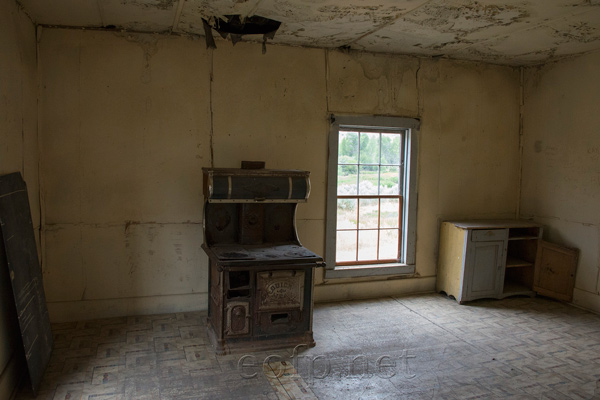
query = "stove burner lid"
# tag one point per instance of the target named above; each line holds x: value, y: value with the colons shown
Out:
x: 235, y: 255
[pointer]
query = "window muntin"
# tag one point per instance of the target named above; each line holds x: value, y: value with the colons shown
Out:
x: 356, y: 167
x: 369, y: 196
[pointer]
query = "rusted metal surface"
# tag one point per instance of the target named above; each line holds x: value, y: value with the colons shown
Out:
x: 252, y: 227
x: 279, y: 290
x: 238, y: 315
x: 235, y: 254
x: 233, y: 185
x: 261, y: 277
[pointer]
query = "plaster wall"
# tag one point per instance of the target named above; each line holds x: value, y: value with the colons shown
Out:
x: 468, y: 163
x: 128, y: 121
x: 125, y: 132
x: 18, y: 153
x: 561, y: 162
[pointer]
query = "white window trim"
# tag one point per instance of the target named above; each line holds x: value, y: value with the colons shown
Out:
x: 407, y: 267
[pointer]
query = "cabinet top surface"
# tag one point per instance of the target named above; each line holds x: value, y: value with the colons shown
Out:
x: 495, y: 223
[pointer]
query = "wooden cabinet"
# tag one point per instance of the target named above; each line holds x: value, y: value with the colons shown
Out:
x: 496, y: 259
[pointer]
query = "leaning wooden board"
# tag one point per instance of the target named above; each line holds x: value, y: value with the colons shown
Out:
x: 25, y: 275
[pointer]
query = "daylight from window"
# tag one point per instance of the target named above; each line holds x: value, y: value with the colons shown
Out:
x: 369, y: 197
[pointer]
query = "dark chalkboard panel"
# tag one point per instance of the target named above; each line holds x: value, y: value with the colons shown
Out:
x: 25, y: 275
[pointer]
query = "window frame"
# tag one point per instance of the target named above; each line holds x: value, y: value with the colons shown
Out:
x: 410, y: 126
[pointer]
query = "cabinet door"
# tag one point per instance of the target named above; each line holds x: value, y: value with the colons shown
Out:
x: 555, y: 271
x: 484, y: 270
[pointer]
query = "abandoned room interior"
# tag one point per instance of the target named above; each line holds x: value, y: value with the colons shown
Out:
x: 418, y: 155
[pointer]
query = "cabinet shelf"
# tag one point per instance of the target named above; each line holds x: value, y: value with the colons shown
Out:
x: 523, y: 238
x: 514, y: 262
x: 512, y: 288
x: 524, y: 233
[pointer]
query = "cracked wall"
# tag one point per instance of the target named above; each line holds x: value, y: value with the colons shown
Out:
x: 129, y: 121
x: 124, y: 137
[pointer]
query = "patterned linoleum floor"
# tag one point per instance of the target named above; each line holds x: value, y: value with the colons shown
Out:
x: 416, y: 347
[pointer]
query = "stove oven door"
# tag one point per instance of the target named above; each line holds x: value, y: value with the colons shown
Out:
x: 238, y: 318
x: 280, y: 302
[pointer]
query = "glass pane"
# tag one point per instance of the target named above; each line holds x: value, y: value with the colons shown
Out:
x: 347, y: 179
x: 367, y: 245
x: 368, y: 214
x: 390, y: 213
x: 369, y: 148
x: 345, y: 246
x: 346, y: 213
x: 389, y: 181
x: 390, y: 148
x: 388, y: 244
x: 348, y: 148
x: 368, y: 179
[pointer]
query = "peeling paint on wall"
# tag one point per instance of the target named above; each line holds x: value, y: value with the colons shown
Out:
x: 463, y: 21
x: 581, y: 32
x: 510, y: 32
x: 376, y: 13
x: 586, y: 3
x: 467, y: 18
x: 159, y: 4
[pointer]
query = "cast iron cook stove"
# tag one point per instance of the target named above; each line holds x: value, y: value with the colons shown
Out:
x: 261, y: 278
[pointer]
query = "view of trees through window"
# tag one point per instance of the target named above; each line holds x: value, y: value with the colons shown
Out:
x: 369, y: 191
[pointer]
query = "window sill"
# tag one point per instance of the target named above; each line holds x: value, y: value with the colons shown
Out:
x: 370, y: 270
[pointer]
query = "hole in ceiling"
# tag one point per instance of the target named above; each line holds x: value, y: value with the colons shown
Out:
x: 236, y: 26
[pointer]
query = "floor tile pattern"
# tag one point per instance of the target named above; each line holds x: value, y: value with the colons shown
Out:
x: 413, y: 347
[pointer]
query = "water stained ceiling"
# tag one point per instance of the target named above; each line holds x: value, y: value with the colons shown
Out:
x: 513, y: 32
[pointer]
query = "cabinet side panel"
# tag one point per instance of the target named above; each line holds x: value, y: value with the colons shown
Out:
x: 451, y: 260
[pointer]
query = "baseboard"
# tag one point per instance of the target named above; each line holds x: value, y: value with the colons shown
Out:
x: 586, y: 300
x: 373, y: 289
x: 66, y: 311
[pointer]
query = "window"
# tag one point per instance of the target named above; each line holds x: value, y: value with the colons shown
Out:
x: 371, y: 202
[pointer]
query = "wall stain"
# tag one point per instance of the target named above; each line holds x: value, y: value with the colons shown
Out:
x: 330, y: 13
x: 166, y: 5
x: 149, y: 45
x: 463, y: 20
x: 380, y: 68
x: 581, y: 32
x: 585, y: 3
x: 375, y: 13
x: 445, y: 16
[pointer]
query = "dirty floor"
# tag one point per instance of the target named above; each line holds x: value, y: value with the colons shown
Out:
x: 415, y: 347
